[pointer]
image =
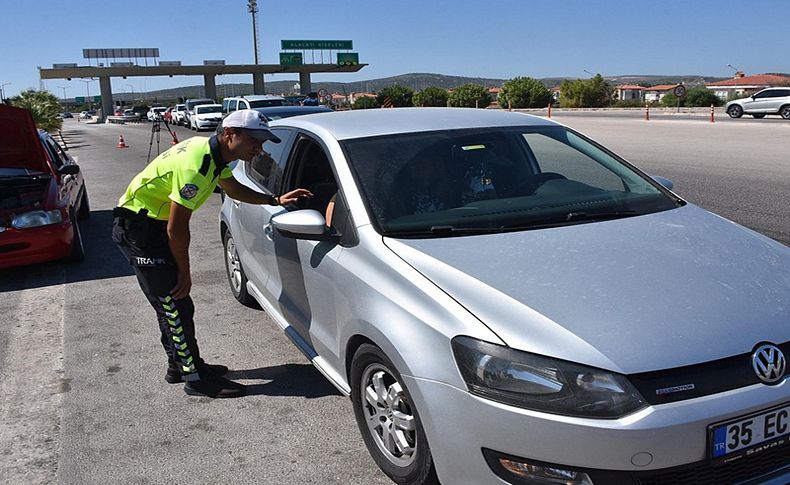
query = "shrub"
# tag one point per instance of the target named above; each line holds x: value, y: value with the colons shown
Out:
x: 702, y: 96
x: 524, y: 92
x: 401, y: 96
x: 365, y: 102
x: 470, y: 96
x: 585, y: 93
x: 431, y: 96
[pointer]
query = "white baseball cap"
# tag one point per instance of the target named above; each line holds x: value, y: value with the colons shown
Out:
x: 252, y: 121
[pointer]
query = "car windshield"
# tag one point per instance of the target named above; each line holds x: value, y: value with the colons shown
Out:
x: 462, y: 182
x: 208, y: 109
x: 263, y: 103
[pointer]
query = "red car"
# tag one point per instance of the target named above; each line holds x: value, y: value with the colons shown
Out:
x: 42, y: 194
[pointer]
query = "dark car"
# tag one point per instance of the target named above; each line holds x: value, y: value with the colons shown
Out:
x: 66, y: 114
x: 42, y: 194
x: 277, y: 112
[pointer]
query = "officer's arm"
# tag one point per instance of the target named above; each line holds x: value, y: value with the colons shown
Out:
x: 178, y: 238
x: 238, y: 191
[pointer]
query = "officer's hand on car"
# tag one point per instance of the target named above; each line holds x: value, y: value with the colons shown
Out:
x: 293, y: 196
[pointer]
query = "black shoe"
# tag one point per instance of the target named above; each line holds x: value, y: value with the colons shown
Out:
x: 216, y: 387
x: 173, y: 376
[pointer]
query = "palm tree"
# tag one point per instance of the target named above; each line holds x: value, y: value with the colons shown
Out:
x: 44, y: 107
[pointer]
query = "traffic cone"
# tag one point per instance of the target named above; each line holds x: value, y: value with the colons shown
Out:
x: 121, y: 143
x: 175, y: 139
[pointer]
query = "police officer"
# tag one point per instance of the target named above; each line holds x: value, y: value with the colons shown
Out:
x: 151, y: 228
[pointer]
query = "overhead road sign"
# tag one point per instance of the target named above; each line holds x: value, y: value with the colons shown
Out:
x: 121, y: 64
x: 347, y: 58
x: 64, y: 66
x: 290, y: 58
x: 122, y: 53
x: 169, y: 63
x: 316, y: 44
x: 216, y: 62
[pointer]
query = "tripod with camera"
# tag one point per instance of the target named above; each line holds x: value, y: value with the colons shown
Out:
x: 156, y: 129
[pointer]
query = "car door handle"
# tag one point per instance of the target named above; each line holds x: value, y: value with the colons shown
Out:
x: 267, y: 229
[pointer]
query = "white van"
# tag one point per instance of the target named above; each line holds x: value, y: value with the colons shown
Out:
x: 230, y: 105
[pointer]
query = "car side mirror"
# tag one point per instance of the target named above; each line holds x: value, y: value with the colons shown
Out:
x: 69, y: 169
x: 664, y: 181
x: 306, y: 224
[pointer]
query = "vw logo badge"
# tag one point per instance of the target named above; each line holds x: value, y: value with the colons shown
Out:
x: 769, y: 363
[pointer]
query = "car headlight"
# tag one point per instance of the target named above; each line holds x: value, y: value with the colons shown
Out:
x: 541, y: 383
x: 30, y: 219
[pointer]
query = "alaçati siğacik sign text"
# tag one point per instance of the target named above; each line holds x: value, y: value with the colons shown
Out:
x: 316, y: 45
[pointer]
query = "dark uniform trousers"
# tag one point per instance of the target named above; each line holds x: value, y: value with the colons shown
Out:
x: 143, y: 241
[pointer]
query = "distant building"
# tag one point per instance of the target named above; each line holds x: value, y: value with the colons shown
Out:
x: 629, y: 92
x: 742, y: 85
x: 656, y: 93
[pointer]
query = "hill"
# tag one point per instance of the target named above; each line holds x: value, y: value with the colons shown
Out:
x: 416, y: 81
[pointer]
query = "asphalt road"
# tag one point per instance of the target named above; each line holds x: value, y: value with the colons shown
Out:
x: 82, y: 395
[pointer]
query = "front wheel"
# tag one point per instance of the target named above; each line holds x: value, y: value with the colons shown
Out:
x: 785, y: 112
x: 85, y: 205
x: 236, y: 277
x: 77, y: 253
x: 735, y: 111
x: 388, y: 419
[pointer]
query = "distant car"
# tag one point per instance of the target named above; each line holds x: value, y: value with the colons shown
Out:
x: 235, y: 103
x: 168, y: 115
x: 770, y: 101
x: 278, y: 112
x: 130, y: 115
x: 508, y: 302
x: 66, y: 114
x: 206, y: 116
x: 156, y: 113
x: 86, y: 115
x: 42, y: 195
x: 177, y: 115
x: 189, y: 108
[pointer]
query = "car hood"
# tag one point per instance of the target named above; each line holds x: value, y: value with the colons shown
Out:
x: 652, y: 292
x: 20, y: 146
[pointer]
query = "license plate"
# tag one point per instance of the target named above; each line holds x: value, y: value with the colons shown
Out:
x: 749, y: 434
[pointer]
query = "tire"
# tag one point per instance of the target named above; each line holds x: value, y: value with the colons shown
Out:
x: 85, y: 206
x: 784, y: 112
x: 759, y: 116
x: 390, y: 427
x: 735, y: 111
x: 77, y: 253
x: 237, y: 280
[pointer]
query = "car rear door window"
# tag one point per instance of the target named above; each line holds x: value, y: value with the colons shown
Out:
x: 55, y: 152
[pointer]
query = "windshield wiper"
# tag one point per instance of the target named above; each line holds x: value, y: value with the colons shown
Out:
x: 570, y: 218
x: 443, y: 231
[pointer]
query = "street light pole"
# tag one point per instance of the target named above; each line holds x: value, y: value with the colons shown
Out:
x: 131, y: 86
x: 588, y: 72
x: 88, y: 90
x: 2, y: 91
x: 252, y: 7
x: 64, y: 91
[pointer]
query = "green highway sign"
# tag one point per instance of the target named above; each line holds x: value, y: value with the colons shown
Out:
x: 316, y: 44
x: 290, y: 58
x: 79, y: 99
x: 347, y: 58
x: 97, y: 99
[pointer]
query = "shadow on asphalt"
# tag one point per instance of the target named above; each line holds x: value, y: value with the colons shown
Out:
x: 102, y: 260
x: 286, y: 380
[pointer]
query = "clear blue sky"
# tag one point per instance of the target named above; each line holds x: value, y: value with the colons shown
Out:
x: 494, y: 38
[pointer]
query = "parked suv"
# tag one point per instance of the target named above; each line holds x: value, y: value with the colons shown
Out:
x: 230, y: 105
x: 770, y: 101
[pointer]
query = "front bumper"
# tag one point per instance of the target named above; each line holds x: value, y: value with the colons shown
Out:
x: 207, y: 123
x: 459, y: 425
x: 19, y: 247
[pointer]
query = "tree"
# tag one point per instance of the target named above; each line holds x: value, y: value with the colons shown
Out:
x: 524, y: 92
x: 585, y: 93
x: 44, y: 107
x: 365, y: 102
x: 431, y: 96
x: 669, y: 100
x: 400, y: 96
x: 470, y: 96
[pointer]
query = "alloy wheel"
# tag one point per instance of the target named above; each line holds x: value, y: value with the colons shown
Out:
x: 388, y: 415
x: 233, y: 265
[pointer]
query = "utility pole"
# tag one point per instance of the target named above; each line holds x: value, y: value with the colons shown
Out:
x: 252, y: 7
x: 64, y: 92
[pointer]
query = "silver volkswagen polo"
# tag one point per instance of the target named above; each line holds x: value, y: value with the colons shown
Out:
x: 507, y: 301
